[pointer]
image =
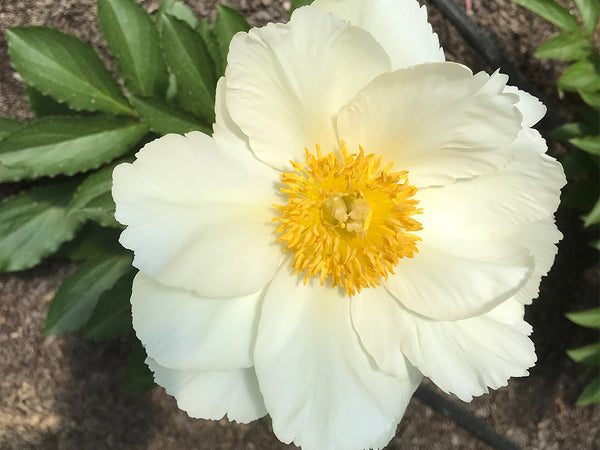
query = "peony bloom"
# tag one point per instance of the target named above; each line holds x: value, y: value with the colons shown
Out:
x: 364, y: 215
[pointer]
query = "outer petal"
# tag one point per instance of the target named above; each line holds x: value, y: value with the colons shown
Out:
x: 211, y: 395
x: 319, y: 386
x: 526, y: 190
x: 437, y: 121
x: 181, y: 330
x: 540, y: 238
x: 463, y: 357
x: 199, y: 218
x: 532, y: 109
x: 452, y: 279
x: 400, y: 27
x: 285, y: 83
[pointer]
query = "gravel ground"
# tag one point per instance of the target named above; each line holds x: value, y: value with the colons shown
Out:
x: 64, y: 392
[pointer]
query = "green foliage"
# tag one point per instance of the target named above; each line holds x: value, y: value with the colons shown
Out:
x: 133, y: 39
x: 62, y: 66
x: 63, y: 145
x: 85, y: 125
x: 567, y: 46
x: 589, y: 10
x: 589, y: 318
x: 552, y: 12
x: 588, y: 354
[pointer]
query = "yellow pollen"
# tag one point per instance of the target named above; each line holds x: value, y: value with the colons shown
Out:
x: 347, y: 220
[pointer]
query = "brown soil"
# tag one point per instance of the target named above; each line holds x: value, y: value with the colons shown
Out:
x: 64, y: 392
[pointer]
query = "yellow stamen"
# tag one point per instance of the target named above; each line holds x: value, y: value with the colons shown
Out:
x: 347, y: 219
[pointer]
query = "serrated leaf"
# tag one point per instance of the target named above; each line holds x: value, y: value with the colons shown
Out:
x: 588, y: 354
x: 64, y: 67
x: 43, y: 105
x: 591, y: 394
x: 67, y: 145
x: 590, y: 318
x: 205, y: 29
x: 33, y: 224
x: 551, y: 11
x: 190, y: 62
x: 133, y: 39
x: 138, y: 377
x: 91, y: 242
x: 93, y: 199
x: 589, y: 10
x: 298, y: 4
x: 227, y: 24
x: 591, y: 98
x: 112, y: 315
x: 583, y: 75
x: 590, y: 144
x: 593, y: 217
x: 164, y: 118
x: 179, y: 10
x: 74, y: 302
x: 8, y: 126
x: 567, y: 46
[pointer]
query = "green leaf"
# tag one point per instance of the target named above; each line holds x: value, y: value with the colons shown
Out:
x: 44, y: 105
x: 8, y: 126
x: 298, y: 4
x: 593, y: 217
x: 591, y: 98
x: 91, y: 242
x: 138, y: 377
x: 62, y: 66
x: 591, y: 394
x: 74, y: 302
x: 588, y: 354
x: 570, y: 130
x: 93, y: 199
x: 133, y: 39
x: 589, y: 10
x: 179, y: 10
x: 192, y: 66
x: 552, y: 12
x: 205, y: 29
x: 590, y: 144
x: 227, y: 24
x: 112, y: 315
x: 164, y: 118
x: 583, y: 75
x: 33, y: 224
x: 67, y: 145
x: 590, y: 318
x: 567, y: 46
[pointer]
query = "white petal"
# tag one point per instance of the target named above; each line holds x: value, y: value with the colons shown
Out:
x: 526, y: 190
x: 540, y: 238
x: 181, y: 330
x: 438, y: 121
x: 400, y: 27
x: 319, y: 386
x: 532, y: 109
x: 212, y: 395
x: 464, y: 357
x: 452, y: 279
x: 285, y: 83
x: 197, y: 217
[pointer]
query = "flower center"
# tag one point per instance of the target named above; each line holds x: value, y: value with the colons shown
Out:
x: 347, y: 219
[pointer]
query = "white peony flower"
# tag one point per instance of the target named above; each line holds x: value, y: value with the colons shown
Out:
x: 285, y: 266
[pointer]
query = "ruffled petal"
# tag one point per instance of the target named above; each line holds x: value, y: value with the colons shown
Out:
x: 212, y: 395
x: 319, y: 386
x: 285, y: 83
x: 531, y: 108
x: 197, y: 217
x: 451, y: 279
x: 500, y: 203
x: 463, y: 357
x: 438, y: 121
x: 181, y: 330
x: 400, y: 27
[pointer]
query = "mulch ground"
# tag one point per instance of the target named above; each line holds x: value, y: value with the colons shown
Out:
x: 64, y: 392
